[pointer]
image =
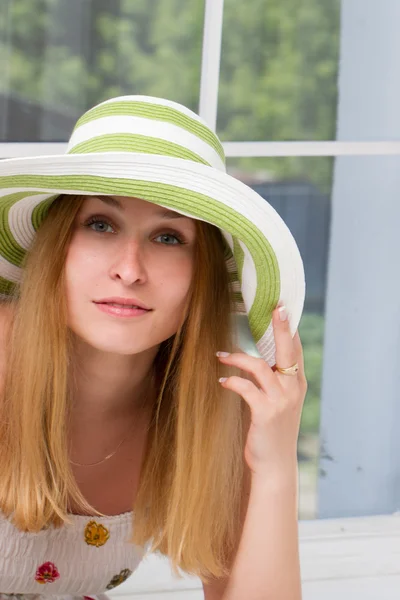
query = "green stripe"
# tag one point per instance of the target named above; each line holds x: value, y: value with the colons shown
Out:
x: 233, y: 276
x: 239, y: 257
x: 156, y: 112
x: 7, y: 287
x: 238, y: 253
x: 237, y: 297
x: 39, y: 213
x: 127, y: 142
x: 227, y: 250
x: 193, y: 203
x: 9, y: 248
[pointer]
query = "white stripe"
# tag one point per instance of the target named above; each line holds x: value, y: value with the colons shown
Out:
x: 152, y: 100
x: 235, y: 286
x: 20, y: 219
x: 266, y: 346
x: 229, y: 240
x: 16, y: 190
x: 23, y: 150
x: 249, y: 276
x: 9, y: 271
x: 265, y: 149
x: 147, y: 128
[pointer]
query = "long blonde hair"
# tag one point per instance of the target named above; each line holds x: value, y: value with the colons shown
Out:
x: 189, y: 497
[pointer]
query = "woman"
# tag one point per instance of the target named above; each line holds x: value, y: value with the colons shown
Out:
x: 126, y: 266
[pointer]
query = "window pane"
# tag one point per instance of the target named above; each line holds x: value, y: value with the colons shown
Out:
x: 349, y: 443
x: 279, y: 70
x: 59, y: 58
x: 300, y: 190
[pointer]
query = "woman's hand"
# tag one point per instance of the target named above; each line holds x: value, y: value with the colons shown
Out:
x: 275, y: 401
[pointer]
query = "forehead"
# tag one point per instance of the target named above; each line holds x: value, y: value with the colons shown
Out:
x: 120, y: 202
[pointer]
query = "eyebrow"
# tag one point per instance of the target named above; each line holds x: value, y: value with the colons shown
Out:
x: 111, y: 201
x: 164, y: 213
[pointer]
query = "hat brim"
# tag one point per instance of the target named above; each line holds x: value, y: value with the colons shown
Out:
x: 269, y: 264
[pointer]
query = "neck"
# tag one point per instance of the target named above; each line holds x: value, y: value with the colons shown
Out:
x: 110, y: 386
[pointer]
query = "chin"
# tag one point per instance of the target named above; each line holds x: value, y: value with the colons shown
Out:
x: 122, y: 347
x: 117, y: 340
x: 111, y: 343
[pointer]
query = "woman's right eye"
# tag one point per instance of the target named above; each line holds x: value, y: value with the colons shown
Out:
x: 100, y: 226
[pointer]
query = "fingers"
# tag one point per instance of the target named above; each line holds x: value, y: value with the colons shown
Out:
x: 261, y: 372
x: 298, y: 348
x: 285, y: 351
x: 245, y: 388
x: 288, y: 352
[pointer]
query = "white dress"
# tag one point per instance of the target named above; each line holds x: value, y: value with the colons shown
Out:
x: 86, y: 558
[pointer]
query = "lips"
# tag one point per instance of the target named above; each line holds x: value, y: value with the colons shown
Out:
x: 121, y: 305
x: 124, y: 308
x: 121, y: 310
x: 119, y: 302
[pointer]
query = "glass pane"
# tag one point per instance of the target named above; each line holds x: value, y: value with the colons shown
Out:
x: 279, y: 70
x: 300, y: 189
x: 59, y: 58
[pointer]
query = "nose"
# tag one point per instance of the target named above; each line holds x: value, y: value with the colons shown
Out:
x: 128, y: 265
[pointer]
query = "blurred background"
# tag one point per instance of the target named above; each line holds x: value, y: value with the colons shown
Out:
x: 304, y: 96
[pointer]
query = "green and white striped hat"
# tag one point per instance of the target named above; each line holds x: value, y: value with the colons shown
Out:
x: 161, y: 152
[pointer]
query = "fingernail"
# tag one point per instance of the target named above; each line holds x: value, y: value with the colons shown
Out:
x: 283, y: 315
x: 222, y: 379
x: 223, y: 354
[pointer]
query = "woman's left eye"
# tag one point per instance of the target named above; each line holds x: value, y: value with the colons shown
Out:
x: 170, y: 239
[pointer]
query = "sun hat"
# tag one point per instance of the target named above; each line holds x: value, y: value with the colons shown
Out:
x: 162, y: 152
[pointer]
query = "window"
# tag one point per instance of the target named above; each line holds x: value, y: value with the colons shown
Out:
x: 59, y: 58
x: 306, y: 102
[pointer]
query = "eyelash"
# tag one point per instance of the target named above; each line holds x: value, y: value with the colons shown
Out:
x: 99, y: 219
x: 174, y: 234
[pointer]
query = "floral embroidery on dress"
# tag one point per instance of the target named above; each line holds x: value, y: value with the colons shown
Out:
x: 47, y: 573
x: 96, y: 534
x: 118, y: 579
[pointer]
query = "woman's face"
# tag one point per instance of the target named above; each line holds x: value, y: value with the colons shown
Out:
x: 126, y: 253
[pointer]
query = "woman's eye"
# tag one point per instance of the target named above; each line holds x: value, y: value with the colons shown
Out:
x: 101, y: 227
x: 169, y: 239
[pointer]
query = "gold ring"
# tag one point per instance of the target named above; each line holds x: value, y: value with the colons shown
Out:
x: 293, y: 370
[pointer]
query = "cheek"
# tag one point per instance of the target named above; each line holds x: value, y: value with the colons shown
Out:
x: 81, y: 269
x: 174, y: 281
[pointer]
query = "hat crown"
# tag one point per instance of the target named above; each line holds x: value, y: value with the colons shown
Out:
x: 147, y: 125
